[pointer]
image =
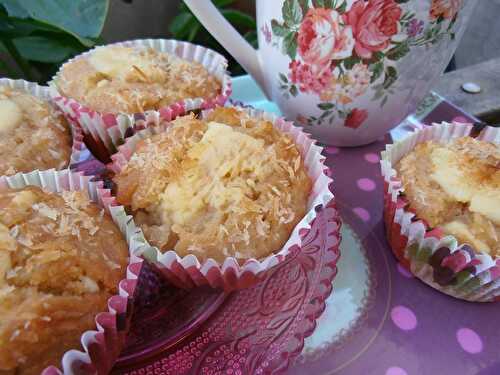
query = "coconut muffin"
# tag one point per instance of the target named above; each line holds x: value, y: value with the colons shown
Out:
x: 225, y: 186
x: 456, y: 186
x: 61, y: 258
x: 33, y: 135
x: 118, y: 79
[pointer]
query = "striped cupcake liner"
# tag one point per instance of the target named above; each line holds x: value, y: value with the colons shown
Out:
x: 79, y: 151
x: 440, y: 261
x: 188, y: 272
x: 97, y: 124
x: 102, y: 346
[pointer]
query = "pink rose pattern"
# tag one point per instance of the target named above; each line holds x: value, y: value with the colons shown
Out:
x: 374, y: 23
x: 355, y: 118
x: 322, y: 37
x: 339, y: 49
x: 445, y: 9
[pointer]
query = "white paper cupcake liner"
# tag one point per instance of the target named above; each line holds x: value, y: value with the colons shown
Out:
x: 97, y: 123
x: 102, y: 346
x: 440, y: 261
x: 79, y: 151
x: 189, y: 271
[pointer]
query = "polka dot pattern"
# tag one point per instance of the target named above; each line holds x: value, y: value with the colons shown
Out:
x: 395, y: 371
x: 404, y: 318
x: 362, y: 213
x: 469, y: 340
x: 403, y: 271
x: 366, y: 184
x: 372, y: 158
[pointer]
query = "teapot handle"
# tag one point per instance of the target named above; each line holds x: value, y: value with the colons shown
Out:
x: 229, y: 38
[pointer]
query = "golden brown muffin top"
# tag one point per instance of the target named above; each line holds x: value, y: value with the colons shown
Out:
x: 116, y: 79
x: 32, y: 134
x: 227, y: 185
x: 61, y: 258
x: 456, y: 186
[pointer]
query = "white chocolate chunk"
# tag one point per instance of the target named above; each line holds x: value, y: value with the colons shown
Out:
x: 121, y: 63
x: 10, y: 115
x: 487, y: 203
x: 450, y: 176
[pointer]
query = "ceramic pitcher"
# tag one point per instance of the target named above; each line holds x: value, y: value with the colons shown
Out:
x: 346, y: 70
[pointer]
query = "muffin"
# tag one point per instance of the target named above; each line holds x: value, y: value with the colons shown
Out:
x: 133, y: 79
x: 456, y: 186
x: 442, y: 207
x: 61, y: 258
x: 227, y: 185
x: 33, y: 135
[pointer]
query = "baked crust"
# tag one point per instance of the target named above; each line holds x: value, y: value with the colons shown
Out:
x: 116, y: 79
x: 456, y: 186
x: 61, y: 258
x: 32, y: 134
x: 227, y: 185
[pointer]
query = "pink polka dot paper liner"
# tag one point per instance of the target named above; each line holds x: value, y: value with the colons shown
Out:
x: 189, y: 272
x: 79, y: 150
x: 96, y: 124
x: 102, y: 346
x: 440, y: 261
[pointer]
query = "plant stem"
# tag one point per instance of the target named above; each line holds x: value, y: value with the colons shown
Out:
x: 21, y: 62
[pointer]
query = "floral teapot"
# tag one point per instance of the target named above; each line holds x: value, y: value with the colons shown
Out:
x: 346, y: 70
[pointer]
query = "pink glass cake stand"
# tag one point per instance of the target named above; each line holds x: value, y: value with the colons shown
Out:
x: 252, y: 331
x: 378, y: 320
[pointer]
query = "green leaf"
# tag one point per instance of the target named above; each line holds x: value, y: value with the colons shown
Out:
x: 278, y: 29
x: 84, y: 19
x: 342, y: 8
x: 223, y: 3
x: 377, y: 69
x: 350, y: 62
x: 237, y: 18
x: 14, y: 9
x: 251, y: 37
x: 398, y: 52
x: 293, y: 90
x: 12, y: 27
x: 329, y: 4
x: 304, y: 5
x: 193, y: 31
x: 391, y: 76
x: 283, y: 77
x: 292, y: 12
x: 325, y: 106
x: 180, y: 23
x: 290, y: 45
x: 43, y: 49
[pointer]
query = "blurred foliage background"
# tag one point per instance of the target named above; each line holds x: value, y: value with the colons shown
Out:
x: 186, y: 27
x: 36, y: 36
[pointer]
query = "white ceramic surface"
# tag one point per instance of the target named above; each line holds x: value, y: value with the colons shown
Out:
x: 347, y: 70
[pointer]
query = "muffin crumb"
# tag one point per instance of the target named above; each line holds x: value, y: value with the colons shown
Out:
x: 456, y: 186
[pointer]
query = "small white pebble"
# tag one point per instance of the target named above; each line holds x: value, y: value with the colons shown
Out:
x: 471, y: 88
